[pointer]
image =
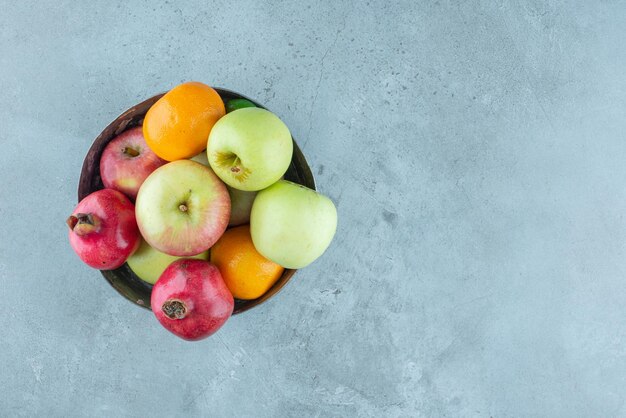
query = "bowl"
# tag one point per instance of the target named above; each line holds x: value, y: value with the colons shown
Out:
x: 123, y: 280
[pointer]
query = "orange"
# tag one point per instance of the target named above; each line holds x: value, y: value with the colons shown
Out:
x: 177, y: 126
x: 247, y: 273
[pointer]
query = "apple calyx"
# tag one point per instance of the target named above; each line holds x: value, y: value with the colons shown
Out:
x: 131, y: 152
x: 174, y: 309
x: 83, y: 223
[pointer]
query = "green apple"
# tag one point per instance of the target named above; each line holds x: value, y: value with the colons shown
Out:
x: 292, y: 225
x: 182, y: 208
x: 201, y: 158
x: 241, y: 206
x: 149, y: 263
x: 249, y: 148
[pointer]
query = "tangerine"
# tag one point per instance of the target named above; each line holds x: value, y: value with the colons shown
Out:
x: 177, y: 125
x: 247, y: 273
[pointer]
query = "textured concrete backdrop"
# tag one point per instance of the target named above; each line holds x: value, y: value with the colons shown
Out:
x: 475, y: 150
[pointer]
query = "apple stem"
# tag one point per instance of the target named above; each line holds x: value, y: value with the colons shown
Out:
x: 235, y: 167
x: 183, y: 207
x: 83, y: 223
x: 130, y: 151
x: 174, y: 309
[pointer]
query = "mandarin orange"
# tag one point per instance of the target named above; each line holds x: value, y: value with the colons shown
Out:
x: 247, y: 273
x: 177, y: 126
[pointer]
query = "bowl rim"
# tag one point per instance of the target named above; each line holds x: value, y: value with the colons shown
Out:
x: 132, y: 117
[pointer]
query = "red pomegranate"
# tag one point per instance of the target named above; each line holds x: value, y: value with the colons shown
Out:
x: 191, y: 300
x: 103, y: 230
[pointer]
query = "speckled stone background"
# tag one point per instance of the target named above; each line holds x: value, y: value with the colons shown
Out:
x: 476, y: 153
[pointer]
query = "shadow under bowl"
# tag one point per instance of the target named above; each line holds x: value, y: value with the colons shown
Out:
x: 123, y: 279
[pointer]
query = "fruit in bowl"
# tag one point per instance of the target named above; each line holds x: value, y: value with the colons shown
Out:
x: 292, y: 225
x: 148, y: 263
x: 184, y: 206
x: 127, y: 161
x: 178, y: 124
x: 247, y: 274
x: 241, y: 206
x: 191, y: 300
x: 103, y: 230
x: 250, y: 149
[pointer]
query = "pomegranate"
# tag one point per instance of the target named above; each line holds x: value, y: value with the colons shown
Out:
x: 103, y: 229
x: 191, y: 300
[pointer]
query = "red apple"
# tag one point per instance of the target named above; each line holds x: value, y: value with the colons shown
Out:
x: 191, y: 300
x: 182, y: 208
x: 103, y: 229
x: 127, y: 161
